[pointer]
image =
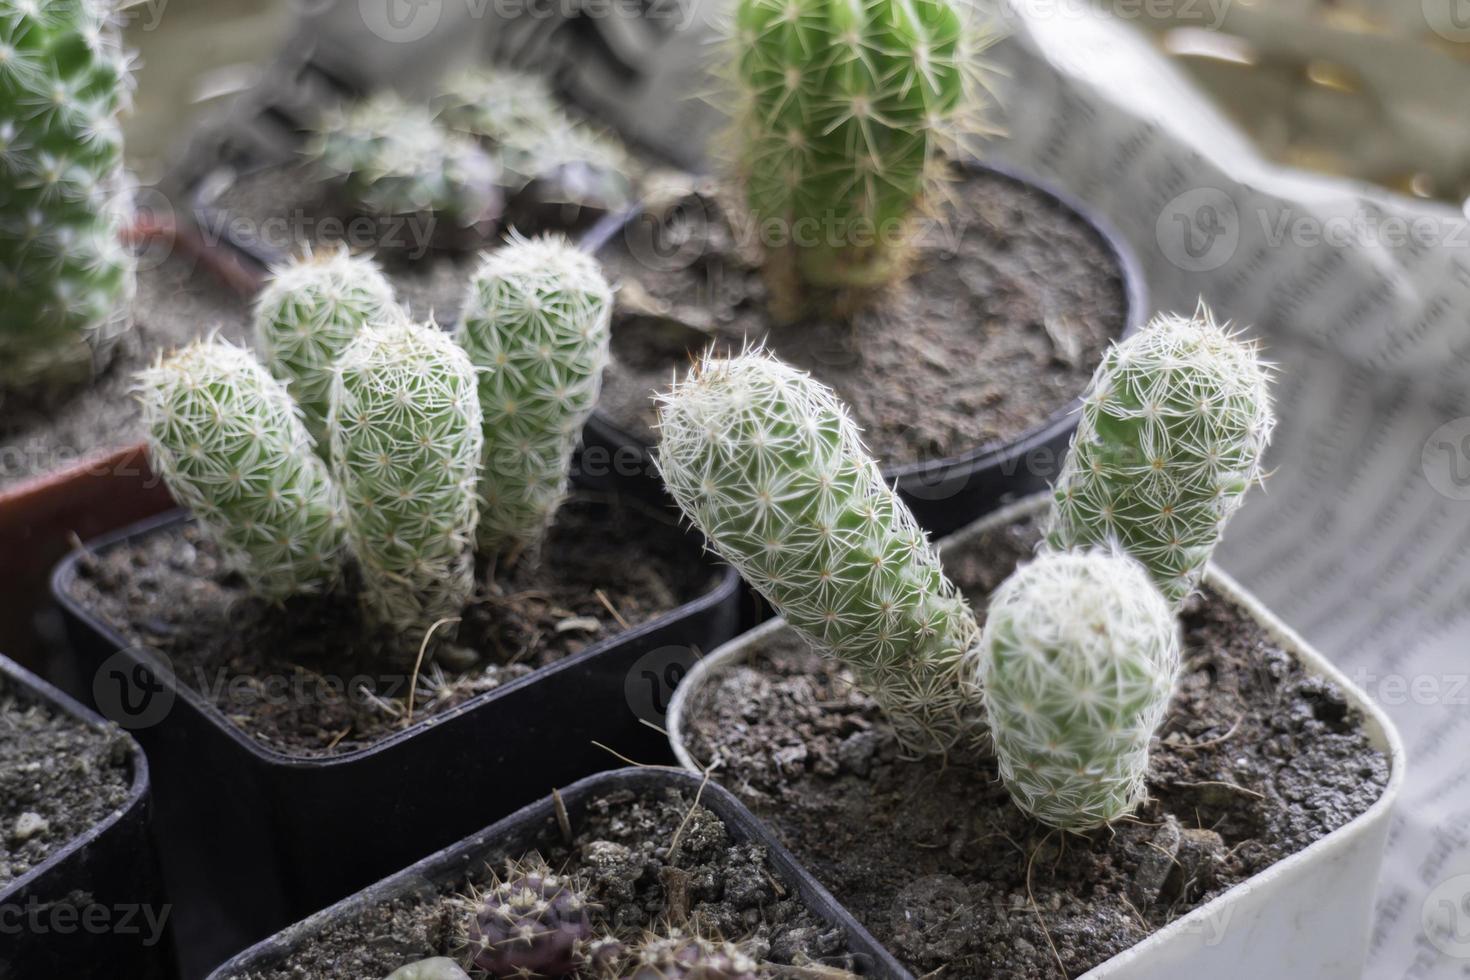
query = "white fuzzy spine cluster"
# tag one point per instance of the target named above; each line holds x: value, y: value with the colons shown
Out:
x: 1078, y: 661
x: 767, y: 463
x: 307, y: 315
x: 405, y: 448
x: 536, y: 322
x: 227, y: 440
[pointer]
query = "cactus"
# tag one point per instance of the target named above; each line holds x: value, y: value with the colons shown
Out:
x: 306, y: 316
x: 227, y: 440
x: 1078, y: 660
x: 405, y: 449
x: 511, y: 111
x: 67, y: 279
x: 530, y: 923
x: 392, y: 159
x: 535, y: 322
x: 1174, y: 425
x: 434, y: 968
x: 767, y: 463
x: 679, y: 957
x: 842, y: 111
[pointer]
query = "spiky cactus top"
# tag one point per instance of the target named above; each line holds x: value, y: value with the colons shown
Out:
x: 392, y: 158
x: 1078, y: 661
x: 535, y: 322
x: 306, y: 316
x: 228, y: 442
x: 530, y: 923
x: 405, y: 449
x: 766, y: 461
x: 843, y: 107
x: 510, y: 110
x: 679, y: 957
x: 66, y: 277
x: 1173, y: 429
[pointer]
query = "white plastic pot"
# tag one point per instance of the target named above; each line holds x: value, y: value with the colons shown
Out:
x: 1305, y: 917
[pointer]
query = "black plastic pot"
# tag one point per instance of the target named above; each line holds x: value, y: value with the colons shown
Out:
x: 537, y: 824
x: 944, y: 494
x: 257, y: 839
x: 96, y: 903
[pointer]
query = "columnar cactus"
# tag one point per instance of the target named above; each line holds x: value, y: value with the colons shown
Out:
x: 306, y: 316
x: 842, y: 110
x: 392, y: 159
x: 66, y: 277
x: 1173, y: 429
x: 227, y: 440
x: 531, y: 923
x: 1078, y: 661
x: 767, y: 463
x: 536, y: 322
x: 405, y: 449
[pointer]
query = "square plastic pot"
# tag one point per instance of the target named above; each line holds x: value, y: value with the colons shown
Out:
x: 528, y: 827
x: 1306, y: 917
x: 257, y: 839
x: 94, y: 902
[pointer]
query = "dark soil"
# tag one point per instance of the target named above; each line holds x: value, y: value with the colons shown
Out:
x: 58, y: 779
x: 1256, y: 761
x: 175, y: 304
x: 1012, y: 301
x: 281, y: 673
x: 622, y: 851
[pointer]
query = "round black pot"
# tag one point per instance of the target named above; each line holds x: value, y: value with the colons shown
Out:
x: 96, y: 904
x: 944, y: 494
x: 257, y: 839
x: 536, y: 824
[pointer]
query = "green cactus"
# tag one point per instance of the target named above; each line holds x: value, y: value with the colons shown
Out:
x: 767, y: 463
x: 306, y: 316
x: 227, y: 440
x: 1078, y: 661
x: 67, y: 279
x: 536, y: 322
x: 843, y: 110
x: 392, y: 159
x: 1173, y: 429
x: 405, y: 449
x: 511, y: 111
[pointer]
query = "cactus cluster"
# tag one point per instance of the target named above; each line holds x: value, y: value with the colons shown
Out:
x: 1174, y: 426
x: 227, y: 439
x: 308, y: 313
x: 843, y: 111
x: 405, y: 449
x: 66, y: 276
x: 767, y: 463
x: 529, y: 923
x: 1077, y: 663
x: 391, y: 158
x: 536, y: 322
x: 680, y: 957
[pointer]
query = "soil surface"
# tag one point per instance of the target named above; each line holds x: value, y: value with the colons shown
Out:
x: 624, y: 852
x: 307, y: 679
x: 58, y: 779
x: 1256, y: 760
x: 175, y: 304
x: 1011, y: 303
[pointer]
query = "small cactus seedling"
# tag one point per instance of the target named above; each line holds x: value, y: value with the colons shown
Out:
x: 227, y: 440
x: 767, y: 463
x: 1173, y: 429
x: 434, y: 968
x: 535, y: 322
x: 678, y: 957
x: 405, y: 449
x: 530, y: 923
x: 67, y: 279
x: 306, y: 316
x: 392, y: 159
x: 1078, y: 661
x: 843, y: 108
